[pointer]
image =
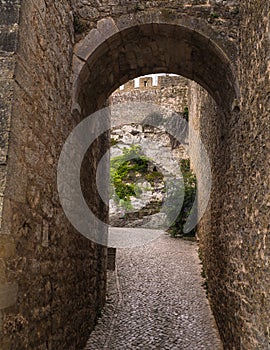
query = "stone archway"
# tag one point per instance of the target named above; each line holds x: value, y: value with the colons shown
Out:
x: 44, y: 262
x: 117, y: 51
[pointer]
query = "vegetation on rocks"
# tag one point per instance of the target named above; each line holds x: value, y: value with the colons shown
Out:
x: 79, y: 25
x: 126, y: 169
x: 185, y: 113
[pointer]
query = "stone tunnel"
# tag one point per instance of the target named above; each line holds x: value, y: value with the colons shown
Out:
x: 59, y: 62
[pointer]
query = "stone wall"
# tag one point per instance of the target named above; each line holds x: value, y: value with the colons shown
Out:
x: 251, y: 177
x: 8, y: 45
x: 207, y: 119
x: 234, y: 234
x: 222, y: 15
x: 169, y: 91
x: 52, y: 279
x: 46, y: 264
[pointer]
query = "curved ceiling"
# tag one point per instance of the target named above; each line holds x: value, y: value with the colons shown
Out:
x: 154, y: 48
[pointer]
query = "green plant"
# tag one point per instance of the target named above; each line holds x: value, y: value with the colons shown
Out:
x: 189, y: 197
x: 214, y: 15
x: 153, y: 177
x: 185, y: 113
x: 123, y: 170
x: 113, y: 142
x: 126, y: 204
x: 79, y: 25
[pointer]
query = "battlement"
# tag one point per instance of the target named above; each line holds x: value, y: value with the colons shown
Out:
x: 150, y: 83
x: 170, y: 91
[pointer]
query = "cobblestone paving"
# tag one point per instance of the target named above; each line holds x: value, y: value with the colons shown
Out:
x: 156, y: 301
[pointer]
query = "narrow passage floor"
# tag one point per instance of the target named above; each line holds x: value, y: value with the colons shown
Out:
x: 156, y: 301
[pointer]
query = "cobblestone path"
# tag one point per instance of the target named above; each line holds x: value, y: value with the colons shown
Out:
x: 156, y: 301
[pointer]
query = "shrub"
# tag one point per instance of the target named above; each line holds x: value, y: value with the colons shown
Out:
x: 190, y: 193
x: 125, y: 169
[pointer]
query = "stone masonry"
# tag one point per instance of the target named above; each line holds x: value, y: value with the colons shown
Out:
x: 170, y: 92
x: 234, y: 232
x: 51, y: 278
x: 60, y: 61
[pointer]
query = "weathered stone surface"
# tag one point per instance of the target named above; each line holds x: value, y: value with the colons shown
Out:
x: 9, y: 18
x: 7, y: 247
x: 10, y: 12
x: 234, y: 232
x: 224, y: 46
x: 170, y: 92
x: 8, y: 295
x: 185, y: 49
x: 40, y: 253
x: 91, y: 42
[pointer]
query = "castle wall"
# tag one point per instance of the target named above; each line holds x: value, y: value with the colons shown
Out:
x: 234, y: 231
x: 222, y: 16
x: 8, y: 45
x: 170, y: 92
x: 51, y: 278
x: 218, y: 242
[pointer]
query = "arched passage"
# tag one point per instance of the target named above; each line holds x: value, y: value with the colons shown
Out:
x: 116, y: 52
x: 35, y: 235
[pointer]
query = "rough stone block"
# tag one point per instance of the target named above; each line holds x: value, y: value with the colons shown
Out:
x: 8, y: 41
x: 107, y: 27
x: 9, y: 11
x: 7, y: 246
x: 89, y: 44
x: 8, y: 295
x: 7, y: 65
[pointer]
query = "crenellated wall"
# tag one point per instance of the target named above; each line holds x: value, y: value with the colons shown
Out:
x: 168, y: 91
